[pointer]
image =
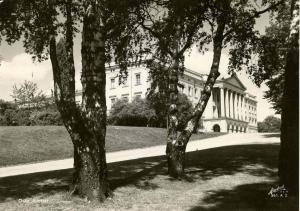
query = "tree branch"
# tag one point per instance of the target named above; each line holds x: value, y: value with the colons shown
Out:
x: 193, y: 120
x: 189, y: 42
x: 154, y: 33
x: 157, y: 36
x: 256, y: 15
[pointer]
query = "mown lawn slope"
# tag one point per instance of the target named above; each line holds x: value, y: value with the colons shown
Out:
x: 27, y: 144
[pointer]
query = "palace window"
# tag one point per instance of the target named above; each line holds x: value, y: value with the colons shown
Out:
x: 138, y: 95
x: 148, y: 78
x: 125, y: 81
x: 125, y: 98
x: 137, y: 79
x: 112, y: 83
x: 181, y: 89
x: 196, y: 92
x: 113, y: 100
x: 190, y: 91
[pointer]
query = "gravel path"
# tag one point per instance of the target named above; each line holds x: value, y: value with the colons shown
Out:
x: 220, y: 141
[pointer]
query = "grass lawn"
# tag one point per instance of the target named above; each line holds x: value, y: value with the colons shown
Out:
x: 225, y: 178
x: 23, y: 144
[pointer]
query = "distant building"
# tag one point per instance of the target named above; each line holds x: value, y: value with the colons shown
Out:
x: 229, y: 109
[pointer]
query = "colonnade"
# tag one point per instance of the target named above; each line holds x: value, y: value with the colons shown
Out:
x: 232, y: 104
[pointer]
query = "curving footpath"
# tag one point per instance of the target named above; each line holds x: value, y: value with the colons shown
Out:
x: 220, y: 141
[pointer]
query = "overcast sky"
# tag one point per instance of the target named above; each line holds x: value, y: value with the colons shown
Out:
x: 19, y: 67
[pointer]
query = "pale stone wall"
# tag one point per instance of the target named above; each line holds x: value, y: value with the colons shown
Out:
x: 130, y: 89
x: 230, y: 106
x: 209, y: 125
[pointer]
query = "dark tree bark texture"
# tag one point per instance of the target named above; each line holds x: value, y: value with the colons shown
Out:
x: 289, y: 147
x: 173, y: 168
x: 93, y: 171
x: 176, y: 145
x: 86, y: 124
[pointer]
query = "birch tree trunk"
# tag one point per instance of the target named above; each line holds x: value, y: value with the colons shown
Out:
x: 93, y: 171
x: 172, y: 118
x: 86, y: 125
x: 177, y: 147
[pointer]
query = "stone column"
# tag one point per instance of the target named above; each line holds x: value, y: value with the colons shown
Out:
x: 226, y: 103
x: 234, y: 105
x: 238, y: 106
x: 230, y: 104
x: 241, y: 106
x: 213, y: 104
x: 244, y: 109
x: 222, y: 102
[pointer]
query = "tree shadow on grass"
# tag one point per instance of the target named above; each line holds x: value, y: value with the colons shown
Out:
x: 272, y: 135
x: 260, y: 160
x: 137, y: 172
x: 23, y: 186
x: 133, y: 172
x: 246, y: 197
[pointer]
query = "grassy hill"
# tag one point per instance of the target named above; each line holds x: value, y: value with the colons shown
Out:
x: 27, y: 144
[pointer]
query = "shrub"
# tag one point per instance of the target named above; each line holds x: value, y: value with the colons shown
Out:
x: 147, y: 112
x: 4, y: 105
x: 8, y: 117
x: 136, y: 113
x: 46, y: 117
x: 185, y: 108
x: 159, y: 103
x: 270, y: 124
x: 10, y: 114
x: 15, y: 117
x: 23, y: 117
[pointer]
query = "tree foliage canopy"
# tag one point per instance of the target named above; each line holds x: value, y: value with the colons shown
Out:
x: 34, y: 21
x: 136, y: 113
x: 151, y: 111
x: 270, y: 124
x: 265, y: 58
x: 159, y: 102
x: 29, y: 94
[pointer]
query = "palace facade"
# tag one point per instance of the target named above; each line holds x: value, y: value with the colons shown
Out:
x: 229, y: 109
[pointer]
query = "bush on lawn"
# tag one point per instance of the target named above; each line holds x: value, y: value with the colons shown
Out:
x: 147, y: 112
x: 8, y: 117
x: 12, y: 117
x: 46, y: 117
x: 159, y: 102
x: 270, y: 124
x: 7, y: 110
x: 4, y: 105
x: 185, y: 108
x: 23, y: 117
x: 136, y: 113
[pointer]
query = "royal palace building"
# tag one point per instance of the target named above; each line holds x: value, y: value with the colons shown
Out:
x: 229, y: 109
